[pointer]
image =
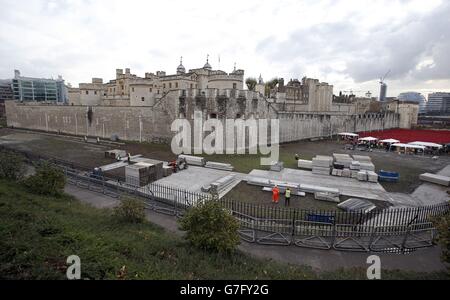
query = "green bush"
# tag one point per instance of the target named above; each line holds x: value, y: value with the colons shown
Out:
x: 442, y: 225
x: 48, y: 180
x: 12, y: 166
x: 130, y: 210
x: 209, y: 226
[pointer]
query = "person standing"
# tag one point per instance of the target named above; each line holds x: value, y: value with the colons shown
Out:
x: 287, y: 197
x: 275, y: 194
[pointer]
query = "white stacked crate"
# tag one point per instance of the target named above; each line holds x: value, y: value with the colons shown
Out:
x: 343, y: 159
x: 362, y: 175
x: 218, y: 166
x: 321, y: 165
x: 305, y: 164
x: 372, y: 176
x: 437, y: 179
x: 193, y: 160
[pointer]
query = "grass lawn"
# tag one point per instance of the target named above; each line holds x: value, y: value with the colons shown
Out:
x: 38, y: 233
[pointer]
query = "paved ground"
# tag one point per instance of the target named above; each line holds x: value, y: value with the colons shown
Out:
x: 426, y: 260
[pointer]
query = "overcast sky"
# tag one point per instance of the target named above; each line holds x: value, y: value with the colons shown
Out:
x: 349, y: 44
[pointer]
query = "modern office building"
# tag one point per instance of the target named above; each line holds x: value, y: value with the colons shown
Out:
x: 414, y: 97
x: 28, y: 89
x: 5, y: 94
x: 438, y: 104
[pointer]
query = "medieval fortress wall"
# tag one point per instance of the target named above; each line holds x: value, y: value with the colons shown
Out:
x: 143, y: 108
x: 154, y: 123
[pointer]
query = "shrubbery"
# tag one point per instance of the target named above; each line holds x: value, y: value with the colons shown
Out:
x: 209, y: 226
x: 130, y: 210
x: 12, y: 166
x: 48, y: 180
x: 442, y: 224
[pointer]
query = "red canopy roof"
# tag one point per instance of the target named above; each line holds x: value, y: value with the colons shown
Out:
x: 409, y: 135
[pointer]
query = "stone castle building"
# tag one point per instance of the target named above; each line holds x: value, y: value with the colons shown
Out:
x: 143, y: 108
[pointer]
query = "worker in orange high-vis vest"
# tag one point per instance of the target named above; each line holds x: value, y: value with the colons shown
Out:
x: 275, y: 194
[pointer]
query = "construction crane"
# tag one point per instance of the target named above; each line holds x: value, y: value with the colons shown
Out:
x: 383, y: 87
x: 384, y: 77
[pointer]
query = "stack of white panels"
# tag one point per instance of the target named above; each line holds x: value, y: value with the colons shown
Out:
x: 219, y: 166
x: 326, y: 197
x: 346, y: 173
x: 343, y: 159
x: 354, y: 204
x: 355, y: 165
x: 222, y: 183
x: 304, y: 164
x: 362, y: 175
x: 368, y: 166
x: 372, y: 176
x: 362, y: 158
x: 193, y: 160
x: 321, y: 165
x: 259, y: 181
x: 309, y: 188
x: 433, y: 178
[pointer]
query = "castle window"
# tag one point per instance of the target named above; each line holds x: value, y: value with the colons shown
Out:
x: 143, y: 98
x: 176, y: 84
x: 132, y: 89
x: 191, y: 86
x: 87, y: 92
x: 234, y: 86
x: 158, y: 92
x: 151, y: 90
x: 213, y: 116
x: 95, y: 92
x: 164, y: 85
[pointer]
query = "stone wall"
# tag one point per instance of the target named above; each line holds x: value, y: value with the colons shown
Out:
x: 153, y: 123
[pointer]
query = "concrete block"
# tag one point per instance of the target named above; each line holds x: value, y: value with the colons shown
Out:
x: 362, y: 176
x: 437, y: 179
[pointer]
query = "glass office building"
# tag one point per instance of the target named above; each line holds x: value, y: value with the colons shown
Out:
x: 27, y: 89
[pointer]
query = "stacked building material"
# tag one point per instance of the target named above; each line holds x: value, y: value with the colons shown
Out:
x: 343, y: 159
x: 346, y: 173
x: 437, y: 179
x: 355, y: 204
x: 321, y: 165
x: 219, y: 166
x: 222, y: 183
x: 167, y: 171
x: 329, y: 197
x: 304, y: 164
x: 355, y: 165
x: 362, y: 158
x: 137, y: 175
x: 258, y: 181
x: 277, y: 167
x: 372, y: 176
x: 362, y: 175
x: 354, y: 173
x: 309, y: 188
x: 193, y: 160
x: 156, y: 167
x: 115, y: 153
x: 368, y: 166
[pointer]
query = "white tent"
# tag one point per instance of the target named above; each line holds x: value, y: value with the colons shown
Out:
x: 368, y: 139
x: 390, y: 141
x: 348, y: 134
x: 427, y: 144
x: 408, y: 146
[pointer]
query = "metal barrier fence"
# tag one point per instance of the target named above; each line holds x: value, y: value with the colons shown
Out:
x: 398, y: 230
